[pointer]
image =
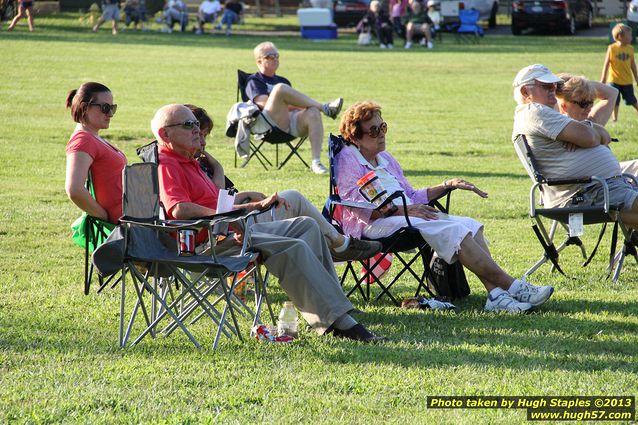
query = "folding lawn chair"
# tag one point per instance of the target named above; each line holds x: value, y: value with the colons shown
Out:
x: 90, y: 232
x: 406, y: 245
x: 142, y: 246
x: 149, y: 153
x: 561, y: 216
x: 274, y: 135
x: 469, y: 29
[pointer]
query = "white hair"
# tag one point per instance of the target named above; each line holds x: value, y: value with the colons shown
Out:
x: 518, y: 95
x: 261, y: 47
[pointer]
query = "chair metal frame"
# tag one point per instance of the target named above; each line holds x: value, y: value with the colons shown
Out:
x: 559, y: 216
x: 406, y: 245
x: 275, y: 137
x: 94, y: 232
x: 200, y: 279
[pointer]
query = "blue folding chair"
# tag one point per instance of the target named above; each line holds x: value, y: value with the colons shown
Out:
x: 469, y: 29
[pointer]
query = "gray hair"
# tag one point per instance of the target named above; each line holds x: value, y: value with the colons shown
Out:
x: 518, y: 95
x: 259, y: 49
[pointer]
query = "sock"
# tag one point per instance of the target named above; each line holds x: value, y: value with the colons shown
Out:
x: 496, y: 292
x: 344, y: 246
x: 325, y: 108
x: 344, y: 322
x: 515, y: 286
x: 316, y: 161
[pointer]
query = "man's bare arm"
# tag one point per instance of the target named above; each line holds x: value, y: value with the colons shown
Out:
x: 189, y: 210
x: 584, y: 135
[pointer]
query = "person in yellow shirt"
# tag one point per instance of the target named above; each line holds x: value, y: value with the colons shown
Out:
x: 620, y: 67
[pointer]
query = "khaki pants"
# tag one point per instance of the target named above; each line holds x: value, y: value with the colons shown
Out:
x: 295, y: 251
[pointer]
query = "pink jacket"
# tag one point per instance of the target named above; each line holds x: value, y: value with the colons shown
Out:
x: 350, y: 166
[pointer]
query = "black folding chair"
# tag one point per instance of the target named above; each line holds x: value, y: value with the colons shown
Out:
x: 274, y: 136
x: 560, y: 216
x: 406, y: 245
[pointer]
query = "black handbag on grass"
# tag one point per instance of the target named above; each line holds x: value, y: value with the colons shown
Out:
x: 448, y: 281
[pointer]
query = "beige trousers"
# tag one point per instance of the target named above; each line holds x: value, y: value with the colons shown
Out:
x: 295, y: 251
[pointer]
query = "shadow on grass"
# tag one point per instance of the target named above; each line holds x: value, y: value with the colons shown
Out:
x: 462, y: 173
x: 573, y: 334
x: 543, y: 340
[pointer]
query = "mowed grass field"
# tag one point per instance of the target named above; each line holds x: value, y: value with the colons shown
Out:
x: 449, y: 113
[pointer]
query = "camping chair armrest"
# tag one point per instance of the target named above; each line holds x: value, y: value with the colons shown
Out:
x: 195, y: 223
x: 595, y: 179
x: 354, y: 204
x: 436, y: 202
x: 570, y: 180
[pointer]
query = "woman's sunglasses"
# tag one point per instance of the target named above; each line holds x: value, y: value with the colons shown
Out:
x: 106, y: 108
x: 584, y: 104
x: 186, y: 125
x: 375, y: 130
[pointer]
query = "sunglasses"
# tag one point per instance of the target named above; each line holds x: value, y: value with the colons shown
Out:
x: 375, y: 130
x: 271, y: 56
x: 547, y: 86
x: 186, y: 125
x: 584, y: 104
x: 105, y: 108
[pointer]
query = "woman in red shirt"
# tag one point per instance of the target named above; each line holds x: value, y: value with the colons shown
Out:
x: 92, y: 109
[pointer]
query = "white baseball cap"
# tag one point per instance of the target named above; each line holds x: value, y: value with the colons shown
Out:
x: 534, y: 72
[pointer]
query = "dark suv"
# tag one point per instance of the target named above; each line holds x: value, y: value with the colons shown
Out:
x: 347, y: 13
x: 562, y: 16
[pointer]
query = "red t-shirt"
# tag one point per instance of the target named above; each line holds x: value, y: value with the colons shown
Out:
x: 106, y: 170
x: 182, y: 180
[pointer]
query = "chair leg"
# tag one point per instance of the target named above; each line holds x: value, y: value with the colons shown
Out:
x: 168, y: 310
x: 294, y: 150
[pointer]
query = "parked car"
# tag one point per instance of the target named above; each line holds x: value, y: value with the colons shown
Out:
x: 347, y: 13
x: 562, y: 16
x: 487, y: 10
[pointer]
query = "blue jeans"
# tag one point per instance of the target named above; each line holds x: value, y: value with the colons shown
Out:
x: 229, y: 18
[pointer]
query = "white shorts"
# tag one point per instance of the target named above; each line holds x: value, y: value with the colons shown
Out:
x: 292, y: 117
x: 443, y: 235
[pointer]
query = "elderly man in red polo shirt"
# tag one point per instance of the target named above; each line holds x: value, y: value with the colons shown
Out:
x: 294, y: 249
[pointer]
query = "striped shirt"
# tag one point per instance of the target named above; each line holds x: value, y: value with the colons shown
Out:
x: 541, y: 125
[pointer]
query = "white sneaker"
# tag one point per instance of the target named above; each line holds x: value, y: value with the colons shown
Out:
x: 505, y: 302
x: 333, y: 108
x: 430, y: 45
x: 383, y: 46
x: 532, y: 294
x: 318, y: 168
x: 198, y: 32
x: 422, y: 42
x: 390, y: 46
x: 408, y: 44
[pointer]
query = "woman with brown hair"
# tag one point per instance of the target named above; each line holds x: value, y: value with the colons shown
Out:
x: 87, y: 153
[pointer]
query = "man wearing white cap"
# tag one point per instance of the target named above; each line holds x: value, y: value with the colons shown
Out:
x: 566, y: 148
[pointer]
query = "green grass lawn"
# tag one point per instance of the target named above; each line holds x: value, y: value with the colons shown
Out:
x: 449, y: 113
